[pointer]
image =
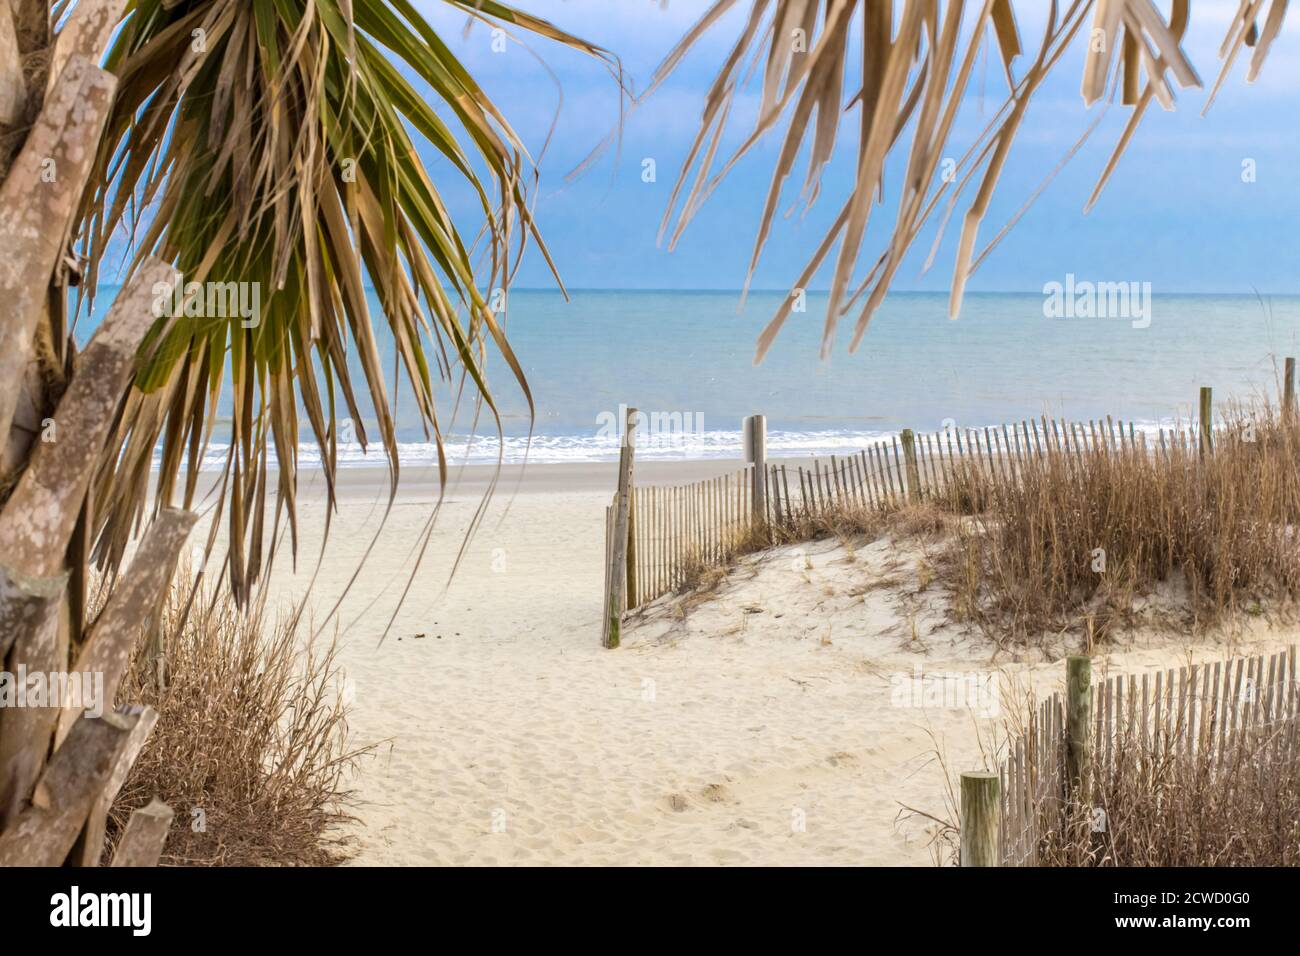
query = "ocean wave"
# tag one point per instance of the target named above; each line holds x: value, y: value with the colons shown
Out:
x: 558, y: 449
x: 576, y: 449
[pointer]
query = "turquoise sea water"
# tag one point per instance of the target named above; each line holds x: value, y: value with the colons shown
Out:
x: 687, y: 358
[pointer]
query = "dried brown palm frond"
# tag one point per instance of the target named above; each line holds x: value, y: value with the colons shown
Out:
x: 916, y: 63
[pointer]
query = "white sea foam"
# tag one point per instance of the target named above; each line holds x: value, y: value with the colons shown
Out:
x: 556, y: 449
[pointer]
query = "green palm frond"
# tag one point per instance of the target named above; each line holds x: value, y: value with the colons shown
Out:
x: 914, y: 71
x: 269, y: 142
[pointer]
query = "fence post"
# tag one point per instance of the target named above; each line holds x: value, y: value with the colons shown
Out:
x: 618, y: 559
x: 909, y: 462
x: 1078, y: 719
x: 1288, y: 389
x: 1207, y: 420
x: 632, y: 596
x: 981, y: 814
x: 754, y: 430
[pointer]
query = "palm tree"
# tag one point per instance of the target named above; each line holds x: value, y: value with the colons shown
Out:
x: 265, y: 143
x: 915, y: 71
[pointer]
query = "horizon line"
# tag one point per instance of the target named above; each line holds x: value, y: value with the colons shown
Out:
x: 737, y: 292
x: 940, y: 292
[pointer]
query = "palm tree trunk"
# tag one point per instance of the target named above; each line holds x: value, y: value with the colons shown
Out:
x: 53, y: 793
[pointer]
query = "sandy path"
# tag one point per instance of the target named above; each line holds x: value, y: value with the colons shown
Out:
x: 762, y: 729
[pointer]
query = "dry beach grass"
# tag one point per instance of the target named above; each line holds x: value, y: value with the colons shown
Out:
x: 251, y: 747
x: 1077, y: 541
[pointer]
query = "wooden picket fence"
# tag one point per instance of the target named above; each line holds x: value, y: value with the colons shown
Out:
x: 1196, y: 710
x: 658, y: 538
x: 675, y: 531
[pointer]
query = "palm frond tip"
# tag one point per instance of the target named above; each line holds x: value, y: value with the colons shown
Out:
x: 914, y: 71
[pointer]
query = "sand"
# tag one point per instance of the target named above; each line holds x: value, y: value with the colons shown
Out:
x: 773, y: 723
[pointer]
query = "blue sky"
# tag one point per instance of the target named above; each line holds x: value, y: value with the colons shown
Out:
x: 1176, y: 213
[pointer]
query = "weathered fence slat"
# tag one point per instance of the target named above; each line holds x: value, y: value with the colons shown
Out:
x: 1204, y: 711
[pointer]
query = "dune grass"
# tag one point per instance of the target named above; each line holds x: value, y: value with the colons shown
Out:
x: 1092, y: 540
x: 1074, y: 542
x: 251, y: 747
x: 1160, y: 805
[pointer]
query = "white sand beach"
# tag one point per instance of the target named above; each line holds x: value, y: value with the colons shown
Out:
x: 762, y: 727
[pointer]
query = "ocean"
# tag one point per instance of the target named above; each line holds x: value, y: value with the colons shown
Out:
x: 685, y: 359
